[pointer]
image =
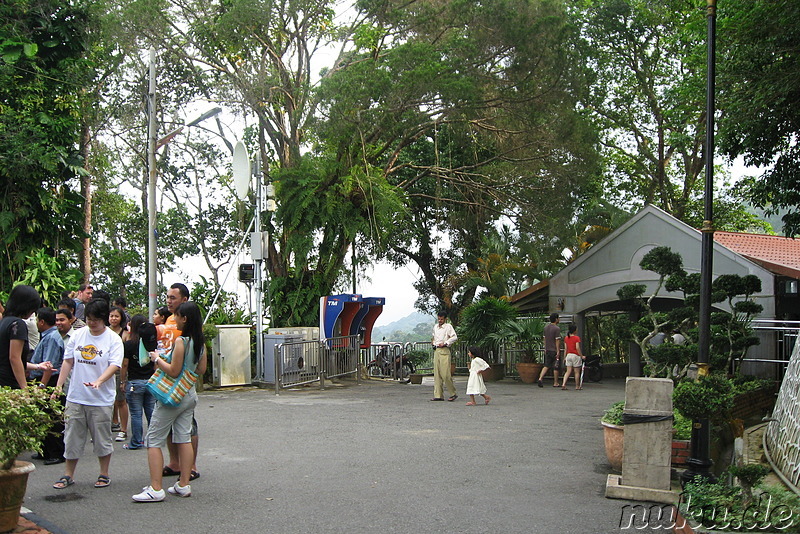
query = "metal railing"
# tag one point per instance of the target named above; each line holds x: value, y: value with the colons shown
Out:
x: 777, y: 341
x: 308, y: 362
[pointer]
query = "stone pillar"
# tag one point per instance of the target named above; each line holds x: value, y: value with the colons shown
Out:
x: 647, y: 450
x: 646, y: 457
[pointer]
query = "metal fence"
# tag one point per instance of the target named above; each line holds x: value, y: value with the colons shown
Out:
x: 770, y: 357
x: 308, y: 362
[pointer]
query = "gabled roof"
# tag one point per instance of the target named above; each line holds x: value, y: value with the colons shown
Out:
x: 778, y: 254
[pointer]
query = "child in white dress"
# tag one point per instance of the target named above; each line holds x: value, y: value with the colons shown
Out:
x: 475, y: 385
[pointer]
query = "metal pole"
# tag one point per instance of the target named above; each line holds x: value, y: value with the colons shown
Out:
x: 151, y: 188
x: 700, y: 461
x: 259, y: 266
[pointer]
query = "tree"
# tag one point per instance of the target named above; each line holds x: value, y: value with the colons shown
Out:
x: 759, y: 73
x: 43, y: 45
x: 426, y: 105
x: 470, y: 121
x: 648, y: 99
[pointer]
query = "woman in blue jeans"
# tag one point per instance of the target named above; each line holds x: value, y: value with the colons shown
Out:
x: 134, y: 380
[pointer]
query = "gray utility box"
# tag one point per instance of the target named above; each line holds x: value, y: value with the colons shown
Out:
x: 231, y: 355
x: 271, y: 342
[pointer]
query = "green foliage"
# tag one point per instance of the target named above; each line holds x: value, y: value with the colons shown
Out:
x: 745, y: 383
x: 681, y: 425
x: 613, y: 415
x: 760, y: 106
x: 710, y: 397
x: 479, y: 320
x: 668, y: 355
x: 728, y: 508
x: 662, y: 261
x: 731, y: 334
x: 419, y: 357
x: 526, y: 333
x: 227, y: 309
x: 631, y: 291
x: 48, y: 276
x: 26, y: 416
x: 42, y: 74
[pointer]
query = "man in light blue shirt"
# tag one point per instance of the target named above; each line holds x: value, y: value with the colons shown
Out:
x: 50, y: 347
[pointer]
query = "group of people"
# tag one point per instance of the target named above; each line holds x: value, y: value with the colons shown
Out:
x: 89, y: 351
x: 444, y: 336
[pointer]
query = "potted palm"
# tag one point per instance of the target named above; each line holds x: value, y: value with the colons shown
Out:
x: 26, y: 416
x: 526, y: 335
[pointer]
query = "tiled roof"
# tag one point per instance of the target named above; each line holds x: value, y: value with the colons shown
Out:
x: 780, y: 255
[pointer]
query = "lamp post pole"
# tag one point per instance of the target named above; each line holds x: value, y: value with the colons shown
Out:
x: 699, y: 460
x: 153, y: 144
x: 151, y: 187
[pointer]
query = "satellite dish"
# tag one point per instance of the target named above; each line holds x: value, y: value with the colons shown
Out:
x: 241, y: 170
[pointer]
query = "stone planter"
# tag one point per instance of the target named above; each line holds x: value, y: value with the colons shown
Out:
x: 415, y: 378
x: 613, y: 437
x: 529, y: 372
x: 13, y: 484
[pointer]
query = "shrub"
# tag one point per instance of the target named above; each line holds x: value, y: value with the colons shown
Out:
x: 710, y: 397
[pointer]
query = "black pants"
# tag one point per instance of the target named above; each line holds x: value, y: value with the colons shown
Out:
x: 53, y: 443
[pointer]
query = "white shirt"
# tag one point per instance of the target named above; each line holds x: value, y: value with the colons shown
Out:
x: 91, y: 356
x: 444, y: 334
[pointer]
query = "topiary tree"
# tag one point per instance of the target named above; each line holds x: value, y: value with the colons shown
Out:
x: 731, y: 332
x: 710, y: 397
x: 664, y: 357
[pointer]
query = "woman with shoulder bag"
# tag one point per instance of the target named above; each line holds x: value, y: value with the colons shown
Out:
x: 175, y: 407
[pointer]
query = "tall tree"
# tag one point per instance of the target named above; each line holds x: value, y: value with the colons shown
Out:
x: 759, y: 77
x: 43, y: 69
x: 468, y: 112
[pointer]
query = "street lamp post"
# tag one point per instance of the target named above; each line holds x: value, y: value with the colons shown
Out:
x: 699, y: 460
x: 153, y: 144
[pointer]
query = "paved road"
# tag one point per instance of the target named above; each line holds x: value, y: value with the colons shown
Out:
x: 375, y: 457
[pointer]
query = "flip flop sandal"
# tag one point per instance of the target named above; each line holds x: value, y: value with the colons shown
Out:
x: 102, y: 482
x: 170, y: 472
x: 63, y: 482
x: 194, y: 475
x: 471, y: 404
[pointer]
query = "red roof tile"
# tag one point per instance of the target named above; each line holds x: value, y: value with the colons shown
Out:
x: 778, y: 254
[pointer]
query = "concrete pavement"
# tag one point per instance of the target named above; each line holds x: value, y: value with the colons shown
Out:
x: 378, y: 456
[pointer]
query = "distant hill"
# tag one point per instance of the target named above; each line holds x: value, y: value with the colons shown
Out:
x: 406, y: 328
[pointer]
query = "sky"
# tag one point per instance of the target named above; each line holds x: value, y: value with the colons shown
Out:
x: 396, y: 285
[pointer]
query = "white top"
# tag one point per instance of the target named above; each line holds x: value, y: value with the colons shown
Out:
x: 91, y: 356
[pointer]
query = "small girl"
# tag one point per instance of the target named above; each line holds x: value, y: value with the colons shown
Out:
x: 475, y: 385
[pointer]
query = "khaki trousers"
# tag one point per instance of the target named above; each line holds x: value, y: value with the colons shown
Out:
x: 441, y: 373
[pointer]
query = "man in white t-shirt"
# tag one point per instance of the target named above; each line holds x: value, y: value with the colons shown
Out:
x: 91, y: 358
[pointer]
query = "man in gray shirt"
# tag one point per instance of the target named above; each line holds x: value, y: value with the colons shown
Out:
x: 552, y: 350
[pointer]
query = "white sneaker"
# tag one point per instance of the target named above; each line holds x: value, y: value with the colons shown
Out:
x: 148, y: 494
x: 180, y: 491
x: 121, y: 436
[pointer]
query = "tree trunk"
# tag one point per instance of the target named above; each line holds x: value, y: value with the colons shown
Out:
x: 85, y: 264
